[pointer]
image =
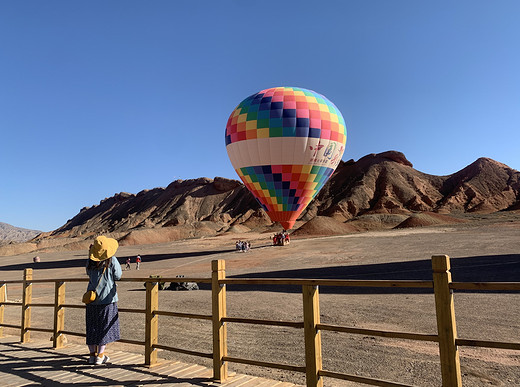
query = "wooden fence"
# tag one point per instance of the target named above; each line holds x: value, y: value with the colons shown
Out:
x: 442, y: 286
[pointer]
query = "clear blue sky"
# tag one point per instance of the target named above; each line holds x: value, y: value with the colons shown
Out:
x: 99, y: 97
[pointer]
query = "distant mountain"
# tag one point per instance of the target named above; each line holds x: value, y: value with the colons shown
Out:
x: 385, y: 191
x: 10, y: 233
x: 377, y: 191
x: 193, y: 207
x: 388, y: 183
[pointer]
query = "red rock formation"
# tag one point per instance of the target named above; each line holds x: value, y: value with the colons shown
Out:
x: 378, y: 191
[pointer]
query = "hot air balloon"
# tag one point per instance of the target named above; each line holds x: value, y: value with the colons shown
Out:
x: 285, y: 143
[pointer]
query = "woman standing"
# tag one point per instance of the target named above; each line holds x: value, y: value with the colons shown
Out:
x: 102, y: 319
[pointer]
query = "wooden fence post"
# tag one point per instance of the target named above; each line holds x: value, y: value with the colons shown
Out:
x: 152, y: 323
x: 3, y: 298
x: 26, y: 309
x: 218, y: 298
x: 311, y: 317
x: 59, y: 315
x: 446, y: 326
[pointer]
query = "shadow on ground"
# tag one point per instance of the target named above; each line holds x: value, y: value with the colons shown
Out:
x: 487, y: 268
x: 490, y: 268
x: 44, y: 364
x: 81, y: 262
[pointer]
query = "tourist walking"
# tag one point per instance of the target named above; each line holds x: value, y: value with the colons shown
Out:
x: 128, y: 264
x: 138, y: 262
x: 102, y: 318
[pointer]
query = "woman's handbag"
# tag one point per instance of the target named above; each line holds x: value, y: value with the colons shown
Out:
x: 91, y: 295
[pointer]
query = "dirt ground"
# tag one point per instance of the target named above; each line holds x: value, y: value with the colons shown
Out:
x: 487, y: 249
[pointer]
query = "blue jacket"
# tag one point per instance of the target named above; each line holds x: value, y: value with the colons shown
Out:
x: 107, y: 288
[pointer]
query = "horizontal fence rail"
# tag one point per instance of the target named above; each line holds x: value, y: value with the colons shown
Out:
x: 489, y: 286
x: 373, y: 332
x: 488, y: 344
x: 184, y: 315
x: 291, y: 324
x: 442, y: 287
x: 327, y: 282
x: 286, y: 367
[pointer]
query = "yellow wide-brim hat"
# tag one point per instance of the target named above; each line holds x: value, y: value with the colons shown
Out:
x: 103, y: 248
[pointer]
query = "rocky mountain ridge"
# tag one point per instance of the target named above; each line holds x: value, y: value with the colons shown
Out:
x: 388, y: 183
x: 378, y: 191
x: 9, y: 233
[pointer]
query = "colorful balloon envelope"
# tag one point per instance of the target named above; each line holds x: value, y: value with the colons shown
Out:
x: 285, y: 143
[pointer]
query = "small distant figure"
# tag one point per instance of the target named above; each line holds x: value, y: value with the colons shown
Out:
x: 36, y: 259
x: 281, y: 239
x: 138, y: 262
x: 128, y: 264
x: 242, y: 246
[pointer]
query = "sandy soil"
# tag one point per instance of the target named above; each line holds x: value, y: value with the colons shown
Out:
x: 484, y: 250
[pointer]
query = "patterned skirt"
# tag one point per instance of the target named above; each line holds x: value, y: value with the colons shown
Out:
x: 102, y: 322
